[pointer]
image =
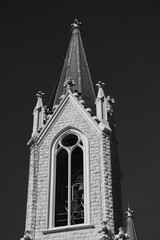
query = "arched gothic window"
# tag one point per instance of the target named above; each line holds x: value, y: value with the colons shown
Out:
x: 69, y: 198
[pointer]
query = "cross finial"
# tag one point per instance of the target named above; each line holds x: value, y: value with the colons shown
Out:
x: 121, y: 235
x: 100, y: 84
x: 106, y: 231
x: 129, y: 212
x: 110, y: 100
x: 76, y: 23
x: 69, y: 83
x: 39, y: 94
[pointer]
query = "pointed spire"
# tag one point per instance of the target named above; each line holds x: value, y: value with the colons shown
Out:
x: 38, y: 113
x: 75, y: 67
x: 130, y: 225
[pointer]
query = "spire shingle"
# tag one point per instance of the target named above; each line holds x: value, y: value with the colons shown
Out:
x: 75, y: 67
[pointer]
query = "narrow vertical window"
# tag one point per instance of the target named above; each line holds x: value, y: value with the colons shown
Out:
x: 77, y: 185
x: 61, y: 188
x: 68, y: 201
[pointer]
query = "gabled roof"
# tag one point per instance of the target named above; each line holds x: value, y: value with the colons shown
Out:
x: 70, y: 97
x: 130, y: 229
x: 75, y: 67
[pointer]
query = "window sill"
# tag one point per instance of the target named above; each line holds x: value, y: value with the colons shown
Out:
x: 68, y: 228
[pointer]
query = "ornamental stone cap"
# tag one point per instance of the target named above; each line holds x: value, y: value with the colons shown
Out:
x: 39, y: 99
x: 100, y: 90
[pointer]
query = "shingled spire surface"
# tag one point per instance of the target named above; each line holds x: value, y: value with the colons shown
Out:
x: 75, y: 67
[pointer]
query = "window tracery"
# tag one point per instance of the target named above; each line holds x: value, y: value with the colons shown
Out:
x: 68, y: 201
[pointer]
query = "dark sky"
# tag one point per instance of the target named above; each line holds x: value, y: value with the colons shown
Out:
x: 122, y: 43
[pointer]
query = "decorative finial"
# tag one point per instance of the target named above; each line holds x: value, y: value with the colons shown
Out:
x: 39, y: 94
x: 121, y: 235
x: 76, y: 23
x: 100, y: 84
x: 69, y: 83
x: 110, y: 102
x: 129, y: 212
x: 106, y: 231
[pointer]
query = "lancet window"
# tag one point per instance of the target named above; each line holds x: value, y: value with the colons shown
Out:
x: 68, y: 192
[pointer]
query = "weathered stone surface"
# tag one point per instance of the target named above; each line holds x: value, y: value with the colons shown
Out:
x: 101, y: 200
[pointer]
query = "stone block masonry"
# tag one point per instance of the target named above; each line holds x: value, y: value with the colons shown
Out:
x: 100, y: 187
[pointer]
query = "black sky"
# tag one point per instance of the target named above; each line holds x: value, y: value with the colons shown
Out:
x: 122, y: 43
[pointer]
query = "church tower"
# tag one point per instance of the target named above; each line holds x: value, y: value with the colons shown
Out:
x: 74, y: 189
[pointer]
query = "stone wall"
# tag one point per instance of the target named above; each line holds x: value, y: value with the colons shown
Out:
x: 101, y: 202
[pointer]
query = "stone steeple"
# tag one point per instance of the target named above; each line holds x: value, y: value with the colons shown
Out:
x: 130, y: 229
x: 74, y: 180
x: 75, y: 67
